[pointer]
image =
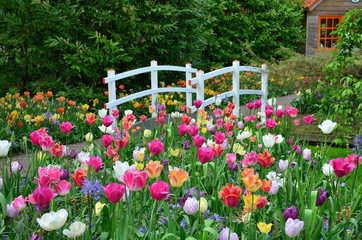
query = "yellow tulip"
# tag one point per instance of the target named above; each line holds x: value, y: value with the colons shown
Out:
x: 263, y: 227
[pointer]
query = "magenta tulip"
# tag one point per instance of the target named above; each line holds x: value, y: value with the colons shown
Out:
x: 219, y: 137
x: 42, y: 197
x: 66, y: 127
x: 159, y: 190
x: 341, y: 167
x: 95, y: 163
x: 156, y: 147
x: 107, y: 121
x: 183, y: 129
x: 197, y: 103
x: 134, y: 179
x: 114, y: 192
x: 36, y: 136
x: 205, y: 154
x: 198, y: 141
x: 308, y: 120
x: 107, y: 140
x: 270, y: 123
x: 193, y: 130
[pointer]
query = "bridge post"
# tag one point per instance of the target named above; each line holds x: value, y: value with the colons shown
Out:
x: 236, y: 87
x: 154, y: 85
x: 188, y: 86
x: 264, y: 87
x: 112, y: 94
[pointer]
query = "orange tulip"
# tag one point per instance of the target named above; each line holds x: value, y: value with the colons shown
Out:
x: 266, y: 185
x: 90, y: 118
x: 61, y: 110
x: 49, y: 94
x: 230, y: 194
x: 177, y: 177
x: 265, y: 159
x: 79, y: 176
x: 71, y: 103
x: 61, y: 99
x: 247, y: 172
x: 252, y: 183
x: 154, y: 169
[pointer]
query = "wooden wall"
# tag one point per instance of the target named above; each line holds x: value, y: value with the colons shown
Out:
x: 327, y: 7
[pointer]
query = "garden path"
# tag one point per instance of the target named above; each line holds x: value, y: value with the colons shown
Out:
x: 22, y: 158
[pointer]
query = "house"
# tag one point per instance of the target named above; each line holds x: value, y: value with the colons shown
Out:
x: 322, y: 17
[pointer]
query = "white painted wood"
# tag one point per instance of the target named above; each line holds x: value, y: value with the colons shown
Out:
x: 249, y: 69
x: 249, y: 92
x: 154, y: 85
x: 188, y: 86
x: 264, y: 87
x: 112, y: 94
x: 200, y: 87
x: 218, y: 72
x: 236, y: 87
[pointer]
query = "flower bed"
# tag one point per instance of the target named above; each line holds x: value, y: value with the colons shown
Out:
x: 214, y: 177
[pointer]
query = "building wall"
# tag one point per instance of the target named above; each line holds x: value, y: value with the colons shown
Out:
x: 327, y: 7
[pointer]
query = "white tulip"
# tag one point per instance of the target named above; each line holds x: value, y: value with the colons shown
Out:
x: 53, y: 220
x: 269, y: 140
x: 4, y: 148
x: 128, y: 112
x: 105, y: 129
x: 1, y: 183
x: 327, y: 126
x: 272, y: 101
x: 89, y: 137
x: 244, y: 135
x: 218, y: 101
x: 75, y: 229
x: 102, y: 113
x: 120, y: 168
x: 279, y: 139
x: 327, y: 169
x: 175, y: 114
x: 147, y: 133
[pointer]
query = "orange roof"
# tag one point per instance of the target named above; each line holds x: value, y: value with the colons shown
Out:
x: 310, y: 3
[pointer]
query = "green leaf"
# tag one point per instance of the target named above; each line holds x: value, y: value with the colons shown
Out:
x: 3, y: 206
x: 212, y: 231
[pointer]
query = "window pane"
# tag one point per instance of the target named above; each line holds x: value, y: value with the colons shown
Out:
x: 329, y: 22
x: 328, y: 43
x: 323, y: 23
x: 323, y: 33
x: 329, y: 32
x: 321, y: 43
x: 336, y: 21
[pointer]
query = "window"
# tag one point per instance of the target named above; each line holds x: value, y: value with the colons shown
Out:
x: 326, y: 25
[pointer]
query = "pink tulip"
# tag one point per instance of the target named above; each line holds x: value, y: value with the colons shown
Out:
x: 197, y: 103
x: 250, y: 159
x: 66, y: 127
x: 250, y: 105
x: 183, y: 129
x: 36, y: 136
x: 19, y: 203
x: 257, y: 104
x: 63, y: 187
x: 205, y: 154
x: 114, y: 192
x: 198, y: 141
x: 46, y: 143
x: 107, y: 140
x: 230, y: 157
x: 156, y: 147
x: 42, y: 197
x: 159, y: 190
x: 354, y: 159
x: 296, y: 122
x: 268, y: 112
x: 219, y: 123
x: 95, y: 163
x: 229, y: 126
x: 308, y: 120
x: 218, y: 112
x: 270, y: 123
x: 341, y: 167
x: 292, y: 112
x: 193, y: 130
x: 134, y: 179
x: 279, y: 113
x: 219, y: 137
x: 107, y: 121
x: 115, y: 113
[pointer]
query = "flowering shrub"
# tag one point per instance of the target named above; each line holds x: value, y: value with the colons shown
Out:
x: 220, y: 177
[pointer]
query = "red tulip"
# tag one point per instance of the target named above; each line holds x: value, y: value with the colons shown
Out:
x: 134, y: 179
x: 159, y: 190
x: 114, y: 192
x: 230, y: 194
x: 79, y: 176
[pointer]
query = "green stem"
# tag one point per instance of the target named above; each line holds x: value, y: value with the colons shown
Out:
x: 90, y: 209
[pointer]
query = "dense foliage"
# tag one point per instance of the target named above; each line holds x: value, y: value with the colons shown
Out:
x: 44, y: 43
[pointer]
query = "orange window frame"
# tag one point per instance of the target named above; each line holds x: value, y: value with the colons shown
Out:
x: 326, y: 25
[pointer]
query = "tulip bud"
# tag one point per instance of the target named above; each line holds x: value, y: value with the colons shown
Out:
x: 89, y: 137
x: 147, y: 133
x: 16, y: 167
x: 327, y: 169
x: 283, y: 164
x: 290, y: 213
x: 322, y: 197
x: 191, y: 206
x: 233, y: 166
x: 203, y: 205
x: 4, y: 148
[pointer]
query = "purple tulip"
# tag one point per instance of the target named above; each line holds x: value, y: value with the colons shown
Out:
x: 233, y: 166
x: 322, y: 197
x: 291, y: 212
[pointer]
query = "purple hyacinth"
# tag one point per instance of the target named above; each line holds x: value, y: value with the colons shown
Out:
x: 93, y: 188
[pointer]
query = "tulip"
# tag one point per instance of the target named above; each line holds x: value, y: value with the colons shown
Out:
x: 102, y: 113
x: 46, y: 143
x: 19, y: 203
x: 233, y: 166
x: 63, y: 187
x: 16, y: 167
x: 159, y: 190
x: 105, y: 129
x: 230, y: 157
x: 203, y: 205
x: 322, y: 197
x: 191, y: 206
x: 293, y: 227
x: 308, y: 120
x: 11, y: 211
x: 183, y: 129
x: 107, y: 140
x: 76, y: 229
x: 250, y: 159
x: 197, y: 103
x: 134, y: 179
x: 53, y: 220
x: 147, y: 133
x: 95, y: 163
x: 193, y: 130
x: 35, y: 137
x: 90, y: 118
x: 114, y: 192
x: 98, y: 208
x: 89, y: 137
x: 139, y: 154
x: 296, y: 122
x: 279, y: 139
x: 265, y: 159
x: 1, y: 183
x: 58, y: 150
x: 250, y: 105
x: 66, y: 127
x: 263, y: 227
x: 291, y: 213
x: 198, y: 141
x: 230, y: 194
x: 120, y: 168
x: 274, y: 187
x: 244, y: 135
x: 154, y: 169
x: 252, y: 183
x: 177, y: 177
x: 283, y: 164
x: 219, y: 137
x: 4, y: 148
x: 270, y: 123
x: 225, y: 235
x: 42, y: 197
x: 65, y: 174
x: 79, y: 176
x: 266, y: 185
x: 36, y: 237
x: 205, y: 154
x: 307, y: 153
x: 107, y: 121
x: 341, y: 167
x: 292, y: 112
x: 327, y: 126
x: 269, y: 140
x: 156, y: 147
